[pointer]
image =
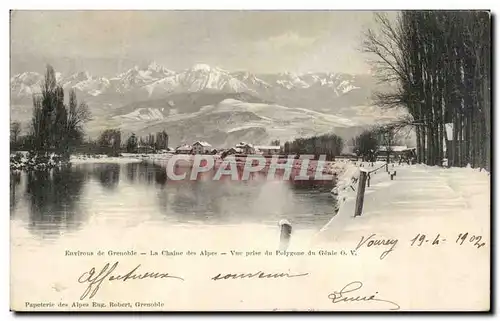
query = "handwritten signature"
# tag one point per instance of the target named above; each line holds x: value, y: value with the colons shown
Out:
x: 340, y: 296
x: 259, y: 274
x: 95, y: 279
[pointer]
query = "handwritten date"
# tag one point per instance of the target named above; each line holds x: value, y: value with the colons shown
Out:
x: 472, y: 239
x: 462, y: 239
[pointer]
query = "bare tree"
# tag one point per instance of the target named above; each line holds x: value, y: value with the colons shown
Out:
x: 54, y: 126
x: 77, y: 116
x: 437, y: 63
x: 15, y: 131
x: 110, y: 142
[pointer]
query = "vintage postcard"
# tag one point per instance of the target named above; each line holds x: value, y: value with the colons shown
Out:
x: 250, y: 160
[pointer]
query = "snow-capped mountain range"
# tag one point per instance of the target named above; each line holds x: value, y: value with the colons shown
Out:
x: 210, y: 103
x: 155, y: 80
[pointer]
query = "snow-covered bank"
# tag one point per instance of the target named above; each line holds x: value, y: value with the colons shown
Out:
x: 100, y: 159
x: 32, y: 162
x: 347, y: 172
x: 36, y: 162
x: 418, y: 194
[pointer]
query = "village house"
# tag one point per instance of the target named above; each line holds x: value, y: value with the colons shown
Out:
x: 234, y: 151
x: 201, y: 147
x: 269, y: 150
x: 184, y: 149
x: 246, y: 148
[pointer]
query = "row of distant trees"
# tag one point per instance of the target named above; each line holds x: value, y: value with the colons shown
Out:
x: 440, y: 64
x: 110, y: 142
x: 151, y: 142
x: 330, y: 145
x: 368, y: 143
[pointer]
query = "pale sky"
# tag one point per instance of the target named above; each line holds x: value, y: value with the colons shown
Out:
x: 105, y: 42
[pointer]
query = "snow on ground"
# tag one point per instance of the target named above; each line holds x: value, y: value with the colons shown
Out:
x: 418, y: 194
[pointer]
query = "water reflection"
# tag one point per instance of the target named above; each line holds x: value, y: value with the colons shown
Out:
x: 108, y: 174
x: 54, y: 199
x: 131, y: 169
x: 146, y: 173
x: 65, y: 199
x: 15, y: 181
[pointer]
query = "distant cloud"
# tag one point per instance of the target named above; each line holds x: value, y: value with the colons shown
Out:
x: 290, y: 40
x: 259, y: 41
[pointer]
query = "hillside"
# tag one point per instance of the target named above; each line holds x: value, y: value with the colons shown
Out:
x: 229, y: 121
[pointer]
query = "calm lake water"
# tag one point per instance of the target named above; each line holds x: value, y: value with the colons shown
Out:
x: 49, y: 204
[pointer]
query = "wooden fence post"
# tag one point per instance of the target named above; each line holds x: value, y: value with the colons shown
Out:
x: 285, y: 233
x: 360, y: 197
